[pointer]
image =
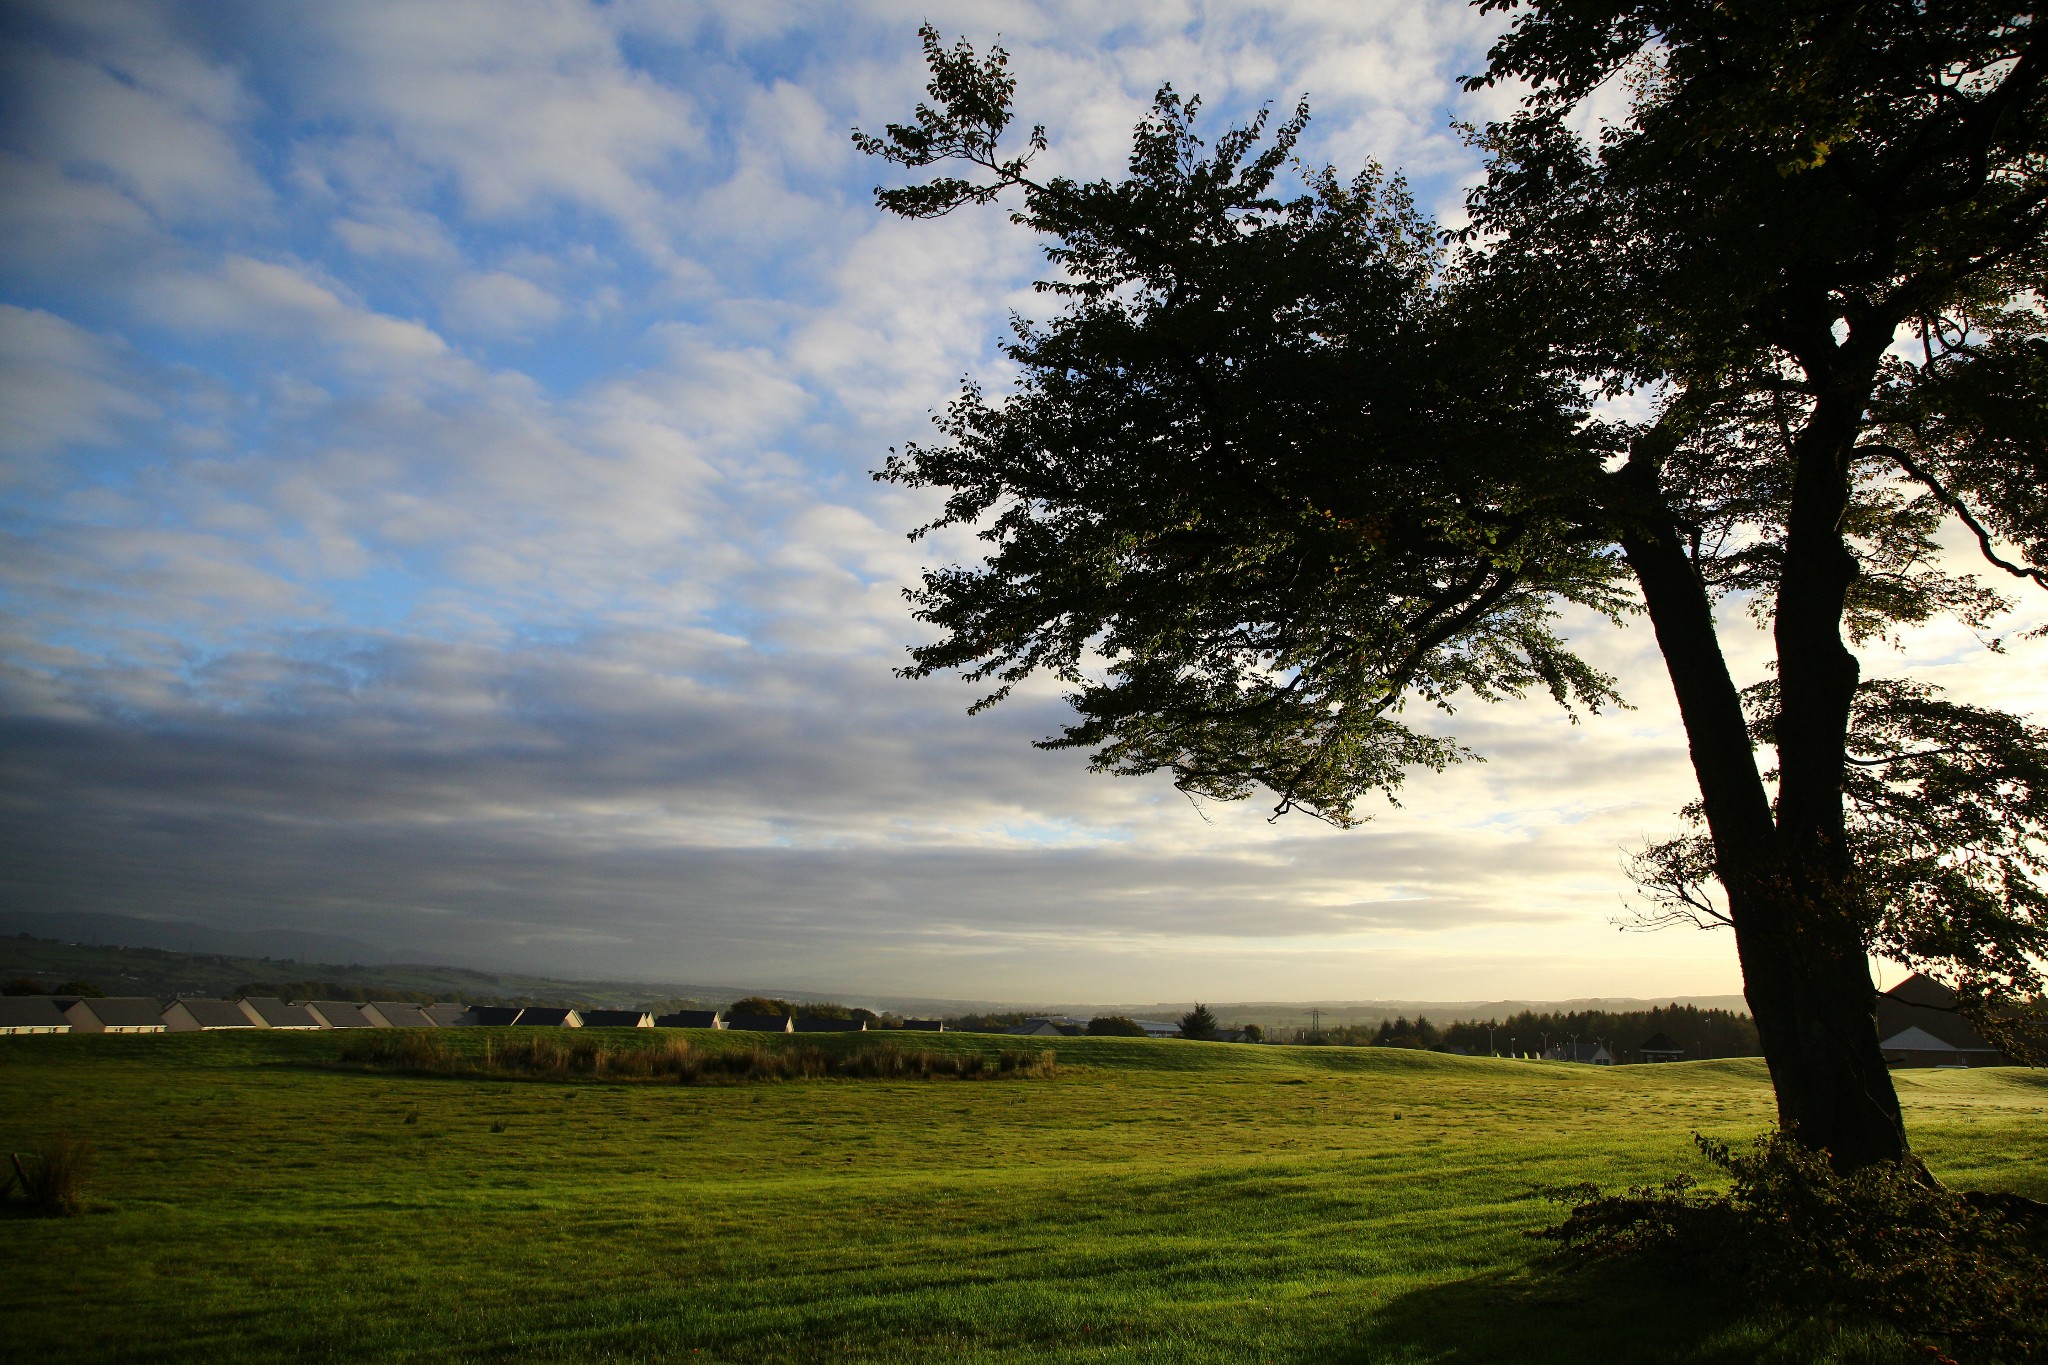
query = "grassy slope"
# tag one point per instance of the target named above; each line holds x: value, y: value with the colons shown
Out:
x: 1158, y: 1201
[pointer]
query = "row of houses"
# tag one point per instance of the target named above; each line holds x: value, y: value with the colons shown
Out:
x: 1917, y: 1022
x: 22, y: 1014
x: 1918, y: 1025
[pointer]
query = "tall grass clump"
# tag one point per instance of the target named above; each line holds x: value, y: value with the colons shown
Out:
x: 1965, y: 1274
x: 50, y: 1182
x: 559, y: 1057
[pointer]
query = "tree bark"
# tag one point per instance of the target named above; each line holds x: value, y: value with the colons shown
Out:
x: 1804, y: 971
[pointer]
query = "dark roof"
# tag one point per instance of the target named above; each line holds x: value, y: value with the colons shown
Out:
x: 689, y: 1019
x: 278, y: 1014
x: 927, y: 1025
x: 549, y: 1016
x: 340, y: 1013
x: 758, y: 1023
x: 1660, y: 1042
x: 1924, y: 1003
x: 31, y: 1011
x: 1036, y: 1028
x: 617, y: 1019
x: 807, y: 1023
x: 448, y: 1016
x: 494, y: 1014
x: 400, y: 1013
x: 120, y: 1011
x: 215, y: 1013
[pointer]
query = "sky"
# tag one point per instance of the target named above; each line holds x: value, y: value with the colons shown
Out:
x: 434, y: 470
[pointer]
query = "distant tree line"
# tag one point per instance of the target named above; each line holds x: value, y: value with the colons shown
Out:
x: 1701, y: 1032
x: 28, y: 985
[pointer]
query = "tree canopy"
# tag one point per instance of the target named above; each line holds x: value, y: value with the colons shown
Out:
x: 1291, y: 468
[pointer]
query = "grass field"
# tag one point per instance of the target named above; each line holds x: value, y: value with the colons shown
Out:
x: 1153, y: 1201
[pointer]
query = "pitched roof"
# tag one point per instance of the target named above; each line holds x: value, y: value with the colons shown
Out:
x: 1660, y: 1042
x: 494, y: 1014
x: 278, y: 1014
x: 32, y: 1011
x: 116, y: 1011
x: 617, y: 1019
x: 1036, y: 1028
x: 809, y: 1023
x: 549, y: 1016
x: 758, y: 1023
x: 214, y: 1013
x: 398, y: 1014
x: 1920, y: 1040
x: 340, y: 1014
x: 926, y: 1025
x: 447, y: 1015
x: 1922, y: 1002
x: 691, y: 1019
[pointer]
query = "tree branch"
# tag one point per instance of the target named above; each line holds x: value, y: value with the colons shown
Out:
x: 1956, y: 505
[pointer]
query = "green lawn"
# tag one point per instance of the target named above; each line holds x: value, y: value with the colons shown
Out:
x: 1155, y: 1201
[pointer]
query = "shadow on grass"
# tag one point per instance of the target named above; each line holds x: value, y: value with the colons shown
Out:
x: 1611, y: 1313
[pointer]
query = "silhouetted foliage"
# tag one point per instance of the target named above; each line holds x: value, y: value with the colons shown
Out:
x: 761, y: 1004
x: 1701, y: 1032
x: 1114, y: 1026
x: 1398, y: 1032
x: 1965, y: 1273
x: 1290, y: 466
x: 1198, y: 1023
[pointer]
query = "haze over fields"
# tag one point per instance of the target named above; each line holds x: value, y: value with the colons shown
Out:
x: 436, y: 444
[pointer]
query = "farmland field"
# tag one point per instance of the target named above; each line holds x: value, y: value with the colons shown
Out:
x: 1153, y: 1201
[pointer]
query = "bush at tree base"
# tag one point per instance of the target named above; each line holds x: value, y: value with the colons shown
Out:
x: 1959, y: 1272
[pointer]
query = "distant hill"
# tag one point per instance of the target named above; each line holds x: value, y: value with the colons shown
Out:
x: 189, y: 936
x: 162, y: 972
x: 125, y: 954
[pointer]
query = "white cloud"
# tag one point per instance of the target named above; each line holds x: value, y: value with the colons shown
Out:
x: 59, y: 386
x: 145, y: 115
x: 268, y: 301
x: 523, y: 104
x: 499, y: 304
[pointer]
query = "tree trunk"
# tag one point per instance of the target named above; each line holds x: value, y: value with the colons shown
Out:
x: 1803, y: 966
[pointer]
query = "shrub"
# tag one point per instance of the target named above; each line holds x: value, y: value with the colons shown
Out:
x: 51, y: 1182
x: 1114, y: 1026
x: 1964, y: 1272
x: 547, y: 1054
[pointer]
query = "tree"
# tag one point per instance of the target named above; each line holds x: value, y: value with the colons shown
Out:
x: 1114, y: 1026
x: 1198, y: 1023
x: 1294, y: 468
x: 1253, y: 1034
x: 761, y: 1004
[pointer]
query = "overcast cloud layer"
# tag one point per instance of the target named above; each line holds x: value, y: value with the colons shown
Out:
x: 435, y: 494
